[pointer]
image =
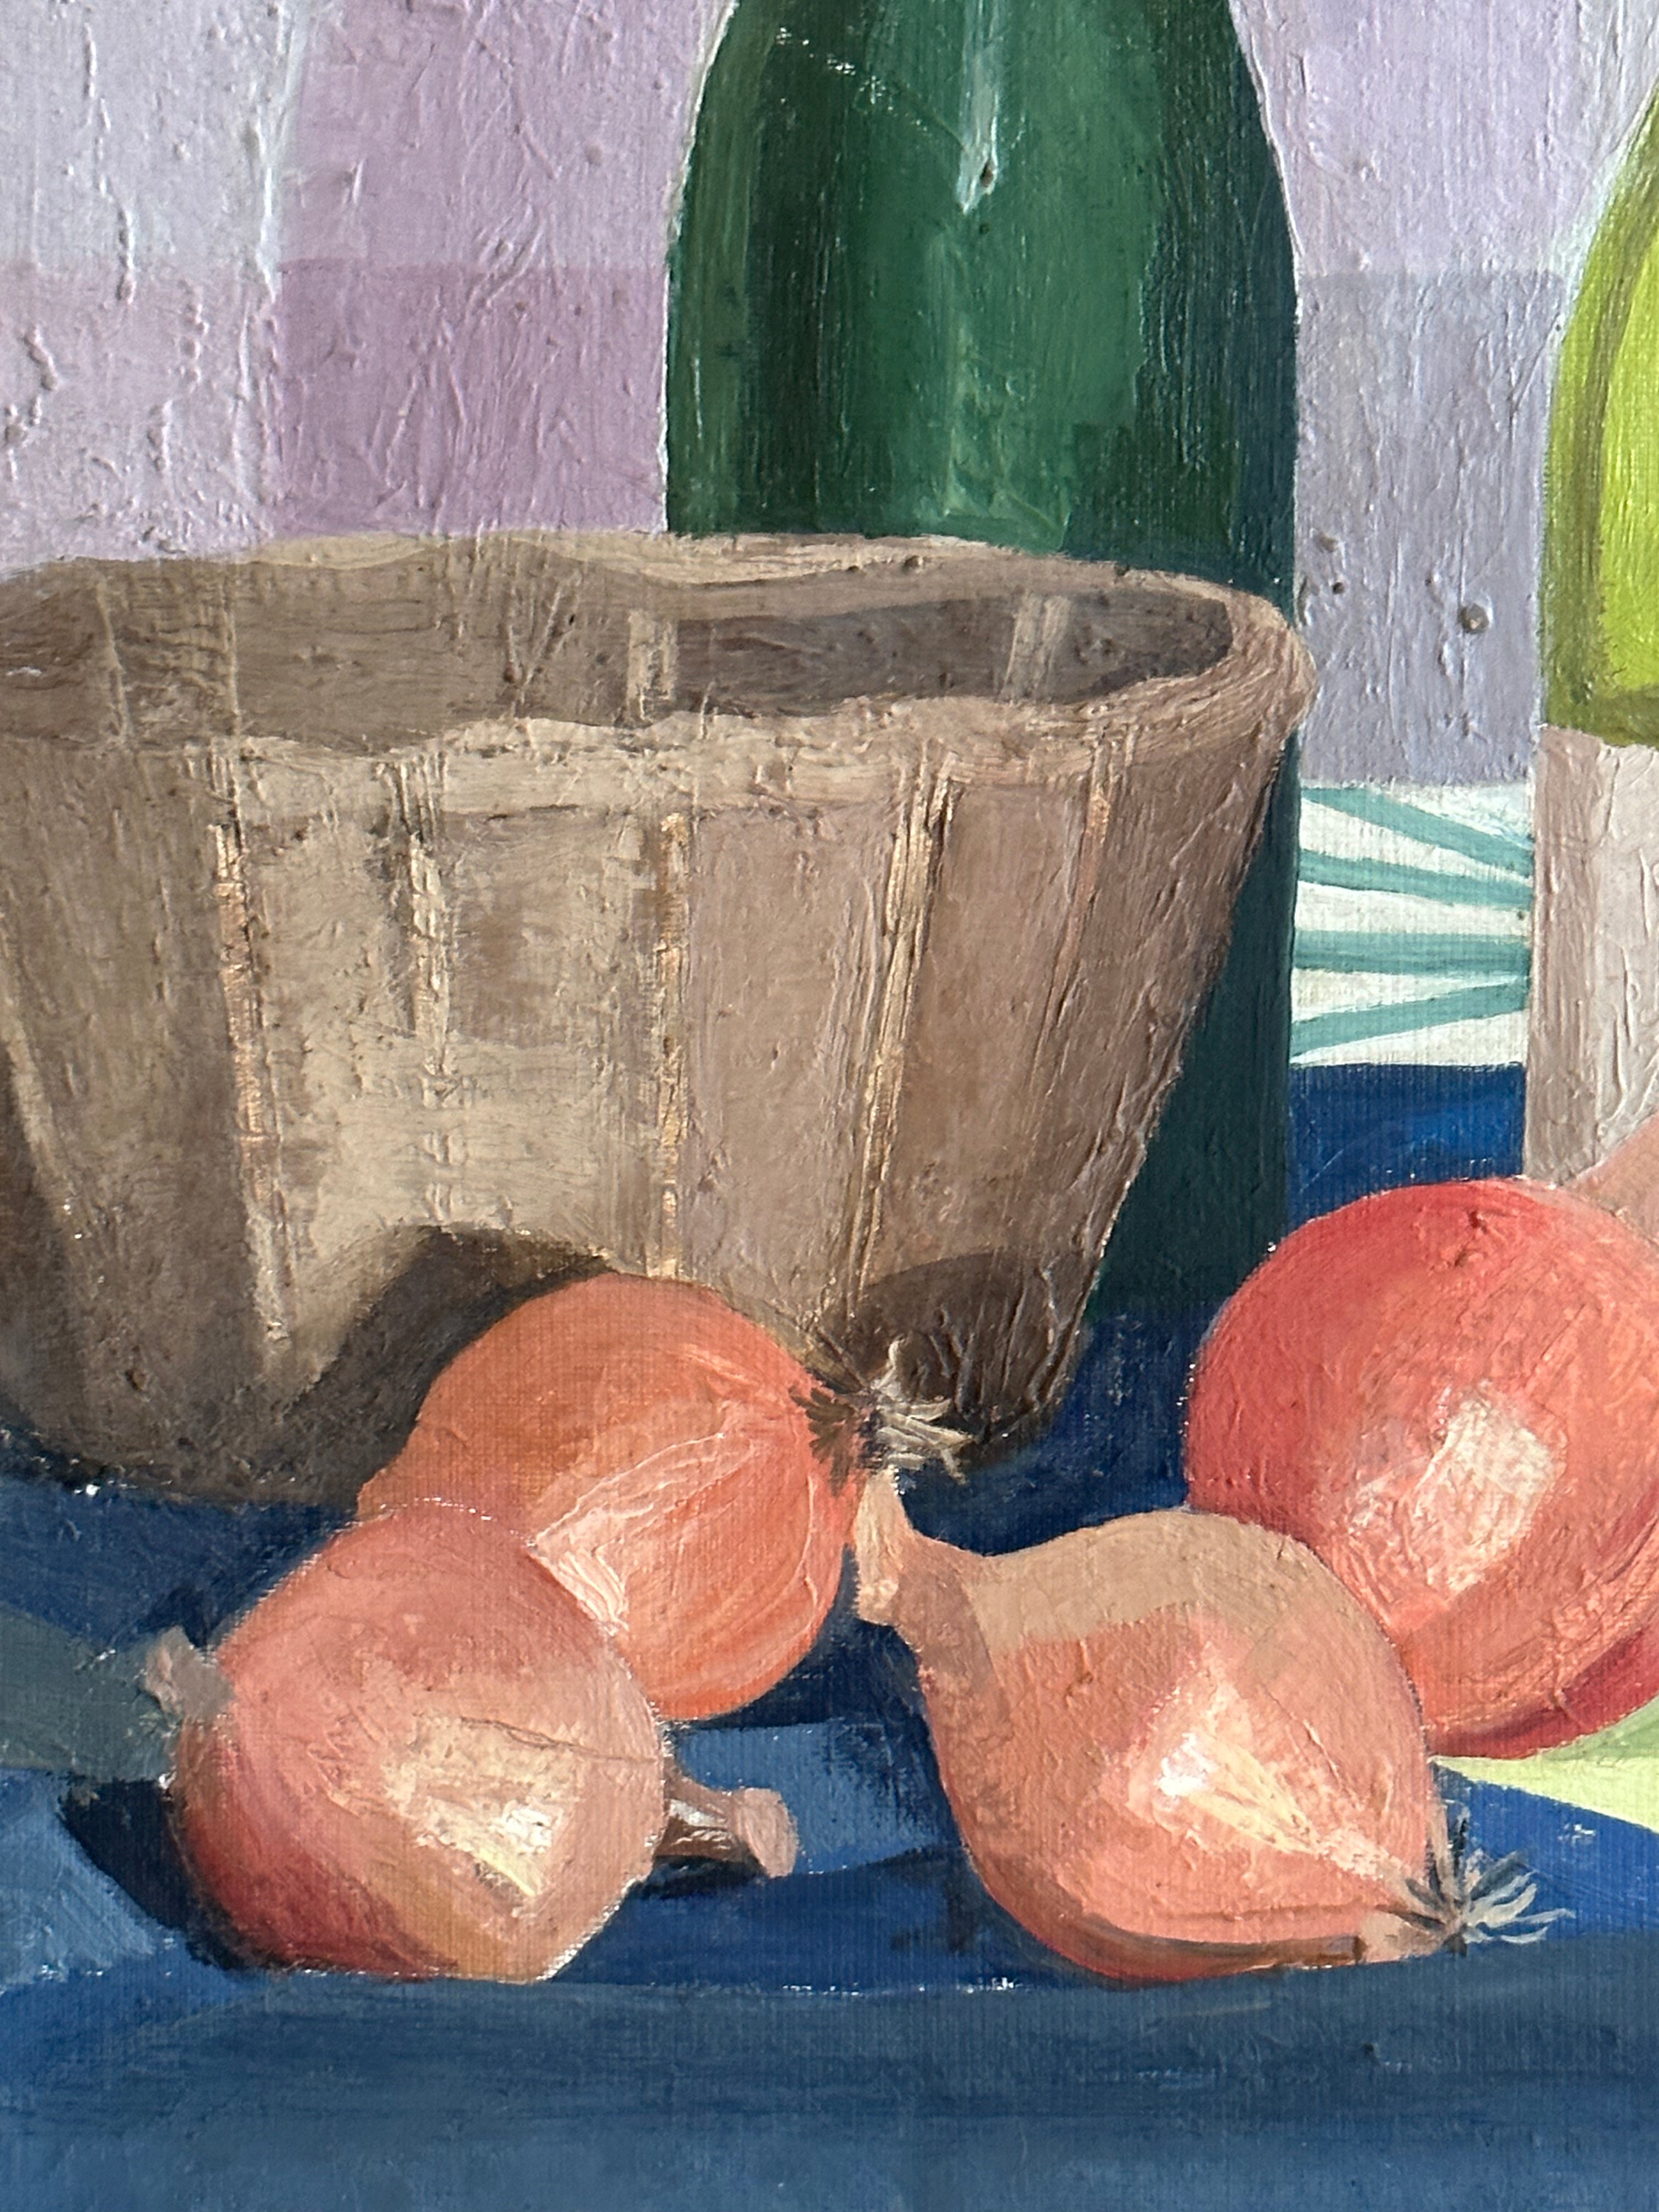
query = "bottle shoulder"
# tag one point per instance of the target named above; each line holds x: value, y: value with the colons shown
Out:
x: 1600, y: 571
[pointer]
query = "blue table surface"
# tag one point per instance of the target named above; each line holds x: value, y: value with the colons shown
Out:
x: 871, y: 2034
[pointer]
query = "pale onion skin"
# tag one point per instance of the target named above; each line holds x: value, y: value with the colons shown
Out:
x: 430, y: 1761
x: 1451, y: 1392
x: 654, y: 1449
x: 1175, y: 1746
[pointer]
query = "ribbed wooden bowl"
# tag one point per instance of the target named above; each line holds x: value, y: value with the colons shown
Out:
x: 387, y: 925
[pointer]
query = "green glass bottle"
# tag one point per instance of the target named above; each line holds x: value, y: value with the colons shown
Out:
x: 1601, y: 579
x: 1019, y: 271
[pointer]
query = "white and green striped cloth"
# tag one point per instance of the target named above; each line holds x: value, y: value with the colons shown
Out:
x: 1412, y: 924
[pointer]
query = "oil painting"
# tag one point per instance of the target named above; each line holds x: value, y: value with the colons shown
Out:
x: 829, y: 1105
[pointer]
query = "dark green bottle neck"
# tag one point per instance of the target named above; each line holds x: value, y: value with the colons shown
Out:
x: 999, y: 270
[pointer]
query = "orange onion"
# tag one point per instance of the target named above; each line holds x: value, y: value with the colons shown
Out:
x: 672, y: 1464
x: 419, y: 1755
x: 1451, y: 1392
x: 1175, y: 1746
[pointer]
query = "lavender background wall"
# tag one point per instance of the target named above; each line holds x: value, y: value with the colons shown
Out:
x: 1443, y: 165
x: 291, y: 266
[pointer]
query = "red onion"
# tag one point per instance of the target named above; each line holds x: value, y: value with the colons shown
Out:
x: 1175, y: 1746
x: 420, y: 1755
x: 675, y: 1469
x: 1451, y: 1392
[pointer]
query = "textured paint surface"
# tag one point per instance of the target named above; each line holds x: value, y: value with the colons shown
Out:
x: 399, y: 969
x: 390, y: 389
x: 1442, y: 169
x: 1614, y: 1770
x: 73, y: 1709
x: 1360, y: 2086
x: 316, y: 264
x: 973, y: 2070
x: 936, y: 264
x: 468, y: 324
x: 1413, y: 918
x: 430, y: 1760
x: 1027, y: 278
x: 1593, y: 1048
x: 142, y: 167
x: 1601, y: 584
x: 1451, y: 1394
x: 1175, y: 1747
x: 288, y: 320
x: 656, y: 1451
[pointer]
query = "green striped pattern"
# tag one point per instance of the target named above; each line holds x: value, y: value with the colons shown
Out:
x: 1412, y: 924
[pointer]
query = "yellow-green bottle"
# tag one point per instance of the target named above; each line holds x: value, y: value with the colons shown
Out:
x: 1600, y: 580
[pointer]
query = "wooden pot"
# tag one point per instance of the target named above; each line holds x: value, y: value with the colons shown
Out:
x: 387, y: 925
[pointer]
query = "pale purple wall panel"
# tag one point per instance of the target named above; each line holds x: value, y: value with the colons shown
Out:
x: 285, y: 265
x: 1467, y: 134
x: 439, y: 399
x: 135, y: 421
x: 471, y: 315
x: 140, y: 151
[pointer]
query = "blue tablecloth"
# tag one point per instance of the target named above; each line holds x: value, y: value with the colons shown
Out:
x: 871, y: 2033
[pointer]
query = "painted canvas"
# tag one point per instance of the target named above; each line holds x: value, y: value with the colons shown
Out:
x: 829, y: 1122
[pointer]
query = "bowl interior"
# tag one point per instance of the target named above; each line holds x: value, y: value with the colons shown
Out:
x: 360, y: 653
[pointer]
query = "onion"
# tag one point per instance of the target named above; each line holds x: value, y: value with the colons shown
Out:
x: 667, y: 1460
x: 1175, y: 1746
x: 1451, y: 1392
x: 419, y: 1755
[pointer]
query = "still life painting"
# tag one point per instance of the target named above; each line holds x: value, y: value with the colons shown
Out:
x: 829, y: 1105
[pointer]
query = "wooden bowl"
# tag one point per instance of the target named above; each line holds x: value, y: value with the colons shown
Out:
x: 387, y: 925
